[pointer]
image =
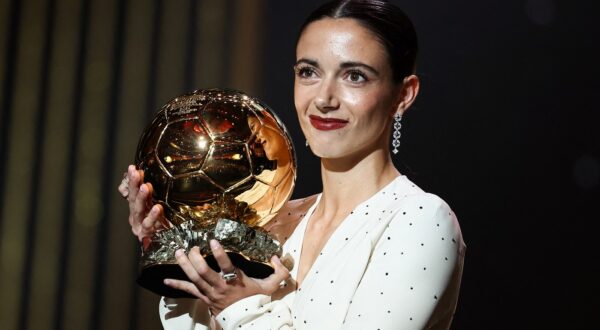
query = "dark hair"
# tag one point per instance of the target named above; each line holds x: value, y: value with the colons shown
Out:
x: 386, y: 21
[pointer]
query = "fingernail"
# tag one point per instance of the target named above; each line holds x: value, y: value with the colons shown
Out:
x: 143, y: 188
x: 179, y: 253
x: 276, y: 260
x: 154, y: 210
x: 214, y: 244
x: 166, y: 281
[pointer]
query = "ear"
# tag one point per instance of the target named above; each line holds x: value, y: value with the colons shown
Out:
x: 407, y: 94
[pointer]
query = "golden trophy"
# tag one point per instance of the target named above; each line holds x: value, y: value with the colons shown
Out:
x: 221, y: 164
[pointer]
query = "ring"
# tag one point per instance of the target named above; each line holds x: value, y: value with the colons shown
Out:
x: 229, y: 276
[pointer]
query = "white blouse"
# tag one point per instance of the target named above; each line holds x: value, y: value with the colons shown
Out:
x: 394, y: 263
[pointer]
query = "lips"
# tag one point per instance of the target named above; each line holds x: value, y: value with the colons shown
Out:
x: 327, y: 124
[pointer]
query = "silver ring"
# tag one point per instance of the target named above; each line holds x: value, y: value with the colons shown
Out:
x: 229, y: 276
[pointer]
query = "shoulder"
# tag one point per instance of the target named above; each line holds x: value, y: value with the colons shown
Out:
x: 423, y: 215
x: 286, y: 220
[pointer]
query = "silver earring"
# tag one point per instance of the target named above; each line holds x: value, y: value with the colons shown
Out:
x: 306, y: 143
x: 396, y: 135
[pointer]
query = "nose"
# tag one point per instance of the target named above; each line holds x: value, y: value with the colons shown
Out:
x: 327, y: 99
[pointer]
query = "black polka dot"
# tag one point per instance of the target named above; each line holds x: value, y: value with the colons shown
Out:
x: 446, y: 258
x: 331, y: 281
x: 223, y: 319
x: 422, y: 244
x: 424, y: 268
x: 435, y: 297
x: 366, y: 213
x: 330, y: 303
x: 389, y: 312
x: 411, y: 287
x: 381, y: 292
x: 421, y: 207
x: 311, y: 299
x: 386, y: 274
x: 404, y: 213
x: 410, y: 223
x: 384, y: 253
x: 442, y: 238
x: 389, y: 238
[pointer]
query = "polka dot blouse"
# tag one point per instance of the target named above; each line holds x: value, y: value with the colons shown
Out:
x: 394, y: 263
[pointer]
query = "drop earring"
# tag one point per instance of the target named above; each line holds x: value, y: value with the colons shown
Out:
x: 306, y: 143
x: 396, y: 135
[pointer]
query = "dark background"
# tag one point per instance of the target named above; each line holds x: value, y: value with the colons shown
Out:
x: 505, y: 130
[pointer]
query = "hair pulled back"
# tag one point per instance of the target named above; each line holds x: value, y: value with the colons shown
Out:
x: 386, y: 21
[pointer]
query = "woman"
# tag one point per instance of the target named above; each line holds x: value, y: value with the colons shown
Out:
x: 372, y: 251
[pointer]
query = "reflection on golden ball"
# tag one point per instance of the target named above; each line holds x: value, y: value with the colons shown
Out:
x: 217, y: 144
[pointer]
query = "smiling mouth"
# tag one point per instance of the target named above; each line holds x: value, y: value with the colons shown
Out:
x: 327, y: 124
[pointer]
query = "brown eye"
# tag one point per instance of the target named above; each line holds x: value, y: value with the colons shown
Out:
x: 305, y: 72
x: 356, y: 76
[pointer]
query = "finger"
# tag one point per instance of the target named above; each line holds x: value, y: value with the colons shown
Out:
x: 221, y: 257
x: 140, y: 206
x: 134, y: 183
x: 186, y: 286
x: 124, y: 186
x: 271, y: 283
x: 189, y: 270
x: 150, y: 223
x: 211, y: 277
x: 163, y: 223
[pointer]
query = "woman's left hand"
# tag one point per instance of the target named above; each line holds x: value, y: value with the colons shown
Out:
x: 216, y: 292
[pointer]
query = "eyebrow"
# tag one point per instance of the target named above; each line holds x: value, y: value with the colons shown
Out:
x: 307, y: 61
x: 344, y: 65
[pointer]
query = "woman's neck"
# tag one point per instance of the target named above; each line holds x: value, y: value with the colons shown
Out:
x: 350, y: 181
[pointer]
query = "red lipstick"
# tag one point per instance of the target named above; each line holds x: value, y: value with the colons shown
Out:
x: 327, y: 124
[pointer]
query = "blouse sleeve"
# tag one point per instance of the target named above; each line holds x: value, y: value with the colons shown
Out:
x: 256, y: 312
x: 410, y: 269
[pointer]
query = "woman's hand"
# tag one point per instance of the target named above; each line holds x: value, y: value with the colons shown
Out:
x: 216, y: 292
x: 144, y: 217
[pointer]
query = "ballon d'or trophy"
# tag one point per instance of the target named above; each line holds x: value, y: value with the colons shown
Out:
x: 221, y: 164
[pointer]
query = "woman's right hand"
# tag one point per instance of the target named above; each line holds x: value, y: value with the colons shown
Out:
x: 144, y: 217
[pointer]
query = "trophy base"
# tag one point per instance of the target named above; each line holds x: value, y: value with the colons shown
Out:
x: 152, y: 277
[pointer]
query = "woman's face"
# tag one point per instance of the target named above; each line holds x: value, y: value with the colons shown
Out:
x: 344, y: 92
